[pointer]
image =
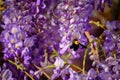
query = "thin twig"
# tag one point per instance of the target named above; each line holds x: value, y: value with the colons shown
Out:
x: 97, y: 24
x: 84, y: 59
x: 41, y: 70
x: 75, y: 66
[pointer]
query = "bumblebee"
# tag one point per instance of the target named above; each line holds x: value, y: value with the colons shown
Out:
x: 75, y: 45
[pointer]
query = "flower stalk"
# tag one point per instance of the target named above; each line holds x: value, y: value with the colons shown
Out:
x: 21, y: 68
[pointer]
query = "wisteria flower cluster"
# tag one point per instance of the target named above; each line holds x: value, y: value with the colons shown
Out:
x: 52, y: 40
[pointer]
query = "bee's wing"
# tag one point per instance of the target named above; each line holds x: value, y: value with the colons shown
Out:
x: 83, y: 46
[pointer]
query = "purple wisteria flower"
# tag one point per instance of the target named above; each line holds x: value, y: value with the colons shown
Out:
x: 100, y: 4
x: 6, y: 74
x: 43, y: 38
x: 112, y: 41
x: 74, y: 21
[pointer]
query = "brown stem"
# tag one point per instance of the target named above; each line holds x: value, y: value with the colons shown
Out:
x: 41, y: 70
